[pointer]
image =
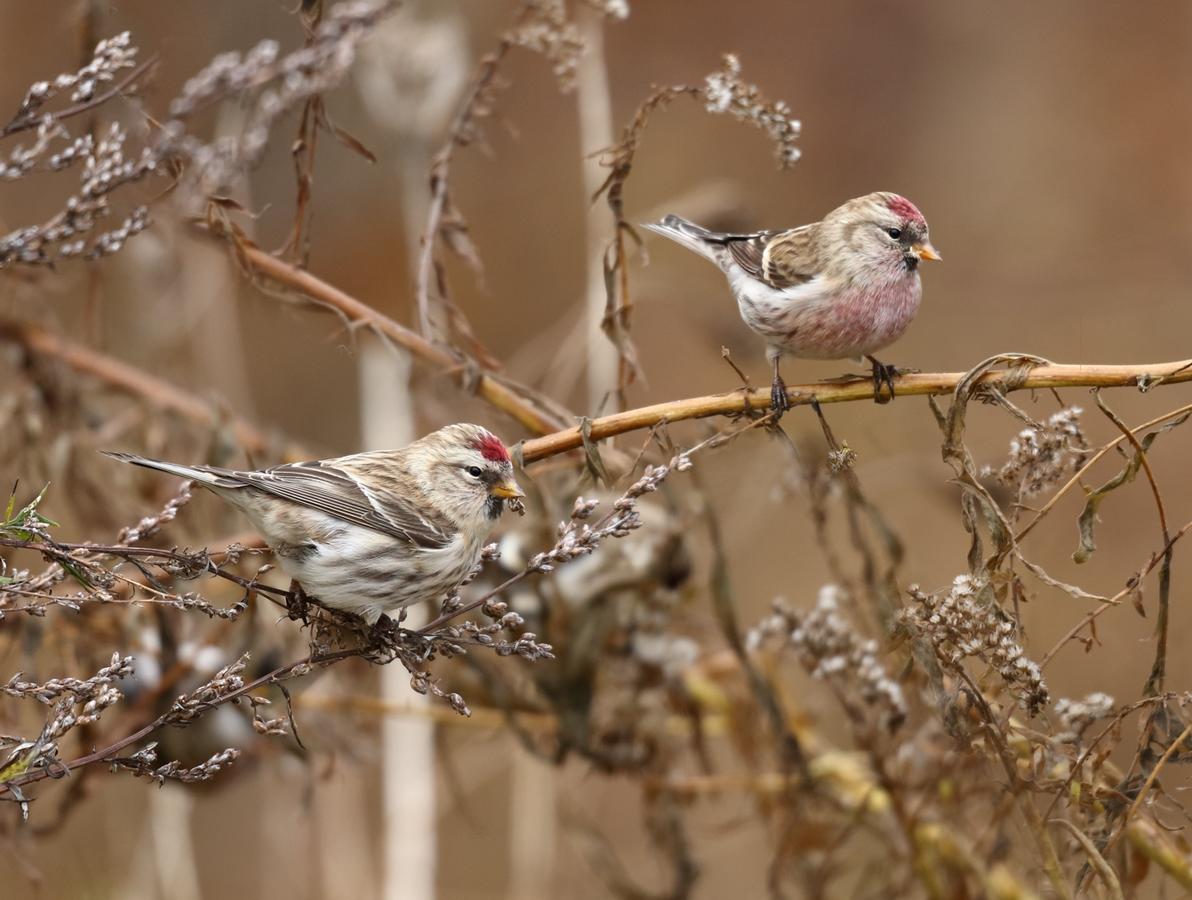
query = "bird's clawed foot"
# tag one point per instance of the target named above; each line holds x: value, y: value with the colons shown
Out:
x: 298, y: 604
x: 883, y: 376
x: 383, y: 632
x: 779, y: 402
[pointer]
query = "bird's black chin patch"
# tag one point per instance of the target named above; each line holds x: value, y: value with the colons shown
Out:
x: 494, y: 507
x: 910, y: 261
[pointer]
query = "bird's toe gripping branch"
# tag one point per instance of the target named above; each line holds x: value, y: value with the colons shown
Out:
x: 883, y: 376
x: 779, y: 402
x: 298, y: 604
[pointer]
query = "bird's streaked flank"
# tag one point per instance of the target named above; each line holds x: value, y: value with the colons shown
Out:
x: 373, y: 532
x: 842, y: 288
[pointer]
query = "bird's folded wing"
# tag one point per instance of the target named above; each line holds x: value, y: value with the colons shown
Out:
x: 332, y: 491
x: 781, y: 259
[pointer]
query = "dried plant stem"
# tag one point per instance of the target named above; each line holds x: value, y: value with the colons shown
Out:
x: 439, y: 173
x: 126, y: 84
x: 1088, y: 464
x: 1147, y: 840
x: 1018, y: 790
x: 130, y: 379
x: 497, y: 391
x: 1145, y: 791
x: 1042, y: 376
x: 555, y: 440
x: 279, y: 674
x: 1154, y: 682
x: 1096, y: 859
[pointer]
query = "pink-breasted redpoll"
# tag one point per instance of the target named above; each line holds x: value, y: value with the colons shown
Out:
x: 373, y: 532
x: 841, y: 288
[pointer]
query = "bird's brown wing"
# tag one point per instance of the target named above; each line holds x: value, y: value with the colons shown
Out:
x: 323, y: 487
x: 781, y: 259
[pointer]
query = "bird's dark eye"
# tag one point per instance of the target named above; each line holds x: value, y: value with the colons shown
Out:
x: 475, y: 471
x: 894, y: 233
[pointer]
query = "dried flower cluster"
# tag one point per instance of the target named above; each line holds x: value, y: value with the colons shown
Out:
x: 828, y: 647
x: 110, y: 56
x: 276, y: 83
x: 78, y: 690
x: 143, y: 764
x: 613, y: 9
x: 579, y: 539
x: 1042, y: 457
x: 1077, y: 715
x: 65, y: 235
x: 151, y: 525
x: 965, y: 622
x: 544, y: 27
x: 271, y: 83
x: 725, y: 92
x: 74, y: 702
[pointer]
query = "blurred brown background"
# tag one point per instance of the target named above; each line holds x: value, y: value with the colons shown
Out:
x: 1047, y: 145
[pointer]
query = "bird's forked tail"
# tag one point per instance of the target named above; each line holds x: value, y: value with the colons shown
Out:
x: 202, y: 474
x: 694, y: 237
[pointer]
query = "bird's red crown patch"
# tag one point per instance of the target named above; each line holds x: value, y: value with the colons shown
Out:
x: 904, y: 209
x: 491, y: 448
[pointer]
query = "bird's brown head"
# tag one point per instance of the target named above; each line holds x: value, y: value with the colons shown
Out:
x: 885, y: 234
x: 468, y: 470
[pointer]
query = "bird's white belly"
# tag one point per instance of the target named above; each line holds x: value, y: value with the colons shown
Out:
x: 368, y: 573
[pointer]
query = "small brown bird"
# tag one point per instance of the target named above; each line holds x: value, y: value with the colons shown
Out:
x: 841, y: 288
x: 373, y: 532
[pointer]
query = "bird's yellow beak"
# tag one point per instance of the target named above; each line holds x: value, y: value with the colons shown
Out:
x: 507, y: 490
x: 926, y: 251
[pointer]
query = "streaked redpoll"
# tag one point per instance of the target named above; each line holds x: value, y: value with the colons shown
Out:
x: 373, y: 532
x: 841, y: 288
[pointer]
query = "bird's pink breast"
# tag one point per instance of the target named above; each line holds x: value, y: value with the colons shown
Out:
x: 852, y: 323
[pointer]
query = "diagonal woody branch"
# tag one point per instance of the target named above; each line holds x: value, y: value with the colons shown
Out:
x: 505, y: 395
x: 512, y: 399
x: 1142, y: 376
x: 157, y: 392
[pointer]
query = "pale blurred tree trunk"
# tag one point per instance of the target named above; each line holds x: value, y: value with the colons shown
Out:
x: 163, y: 865
x: 409, y: 808
x: 596, y: 133
x: 533, y: 811
x: 411, y: 75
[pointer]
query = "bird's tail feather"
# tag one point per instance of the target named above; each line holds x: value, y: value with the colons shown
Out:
x: 694, y: 237
x: 202, y: 474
